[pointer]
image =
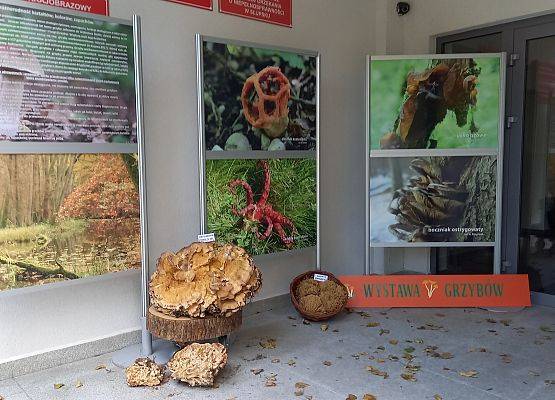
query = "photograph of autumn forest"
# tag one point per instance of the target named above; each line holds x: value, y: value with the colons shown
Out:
x: 67, y: 216
x: 258, y: 98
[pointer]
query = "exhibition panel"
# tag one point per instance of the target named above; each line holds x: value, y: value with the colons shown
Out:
x: 258, y: 124
x: 69, y: 153
x: 435, y: 143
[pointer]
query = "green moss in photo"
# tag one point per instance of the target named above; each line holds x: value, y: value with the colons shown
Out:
x: 388, y: 85
x: 292, y: 194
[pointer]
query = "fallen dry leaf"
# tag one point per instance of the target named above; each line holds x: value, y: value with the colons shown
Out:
x: 291, y: 363
x: 100, y: 366
x: 409, y: 377
x: 547, y: 329
x: 533, y: 373
x: 324, y: 327
x: 271, y: 380
x: 437, y: 397
x: 377, y: 372
x: 275, y: 360
x: 268, y: 344
x: 351, y: 397
x: 409, y: 350
x: 78, y: 384
x: 372, y: 324
x: 394, y: 342
x: 300, y: 387
x: 384, y: 332
x: 369, y: 396
x: 550, y: 382
x: 327, y: 363
x: 257, y: 371
x: 506, y: 358
x: 58, y: 386
x: 469, y: 374
x: 306, y: 322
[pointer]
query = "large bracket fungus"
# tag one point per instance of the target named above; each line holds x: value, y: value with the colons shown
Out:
x: 198, y: 364
x: 265, y: 97
x: 204, y: 279
x: 144, y: 372
x: 448, y: 85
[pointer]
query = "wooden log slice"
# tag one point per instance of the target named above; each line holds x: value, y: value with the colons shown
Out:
x: 184, y: 330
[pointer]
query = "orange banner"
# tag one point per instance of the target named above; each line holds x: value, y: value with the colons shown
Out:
x: 375, y: 291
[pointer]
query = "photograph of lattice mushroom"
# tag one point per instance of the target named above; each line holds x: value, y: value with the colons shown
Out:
x: 421, y: 103
x: 433, y: 199
x: 258, y: 99
x: 265, y: 206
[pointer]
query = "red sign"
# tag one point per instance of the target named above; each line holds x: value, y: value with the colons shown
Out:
x: 206, y: 4
x: 88, y: 6
x: 375, y: 291
x: 277, y: 12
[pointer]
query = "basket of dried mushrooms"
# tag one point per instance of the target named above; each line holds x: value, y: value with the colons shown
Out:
x: 318, y: 299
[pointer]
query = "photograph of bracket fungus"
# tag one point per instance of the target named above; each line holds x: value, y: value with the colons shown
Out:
x: 435, y: 103
x: 432, y: 199
x: 258, y: 99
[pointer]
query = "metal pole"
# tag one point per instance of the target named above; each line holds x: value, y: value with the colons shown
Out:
x: 146, y: 337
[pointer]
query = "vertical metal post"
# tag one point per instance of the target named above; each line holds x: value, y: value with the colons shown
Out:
x: 201, y: 143
x: 318, y: 219
x: 146, y: 337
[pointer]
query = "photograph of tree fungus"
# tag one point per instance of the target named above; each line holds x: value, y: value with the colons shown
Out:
x: 67, y: 216
x: 435, y: 103
x: 258, y: 99
x: 432, y: 199
x: 265, y: 206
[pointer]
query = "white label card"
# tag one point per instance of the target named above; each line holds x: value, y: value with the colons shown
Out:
x: 320, y: 277
x: 207, y: 238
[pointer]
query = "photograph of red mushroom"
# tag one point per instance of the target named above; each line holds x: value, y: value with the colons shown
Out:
x: 75, y: 83
x: 429, y: 103
x: 265, y: 206
x: 258, y: 98
x: 67, y: 216
x: 432, y: 199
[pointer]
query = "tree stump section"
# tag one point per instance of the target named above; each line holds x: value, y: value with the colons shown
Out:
x: 184, y: 330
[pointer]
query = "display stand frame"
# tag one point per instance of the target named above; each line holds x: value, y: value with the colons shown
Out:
x: 498, y: 153
x: 199, y: 40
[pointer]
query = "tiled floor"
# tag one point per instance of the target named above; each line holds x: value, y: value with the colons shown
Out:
x: 513, y: 355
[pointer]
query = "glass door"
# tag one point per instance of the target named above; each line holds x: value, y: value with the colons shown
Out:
x: 534, y: 90
x: 528, y: 238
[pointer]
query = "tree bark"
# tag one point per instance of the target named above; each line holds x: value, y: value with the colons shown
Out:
x: 184, y: 330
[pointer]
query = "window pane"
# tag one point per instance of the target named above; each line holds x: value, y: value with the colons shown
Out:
x: 537, y: 213
x: 481, y: 44
x: 468, y: 260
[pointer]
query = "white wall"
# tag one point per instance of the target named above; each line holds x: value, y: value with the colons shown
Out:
x: 36, y: 320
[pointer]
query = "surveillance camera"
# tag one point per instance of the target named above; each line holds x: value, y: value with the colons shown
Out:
x: 403, y: 8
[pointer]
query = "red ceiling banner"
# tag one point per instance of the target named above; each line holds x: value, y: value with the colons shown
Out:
x: 205, y: 4
x: 279, y: 12
x: 375, y: 291
x: 100, y: 7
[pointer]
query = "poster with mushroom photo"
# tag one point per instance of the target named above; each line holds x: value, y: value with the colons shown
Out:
x: 67, y: 216
x: 416, y: 200
x: 435, y: 102
x: 65, y: 78
x: 264, y: 206
x: 258, y: 98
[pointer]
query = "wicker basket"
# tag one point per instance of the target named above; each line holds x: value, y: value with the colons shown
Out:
x: 293, y: 291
